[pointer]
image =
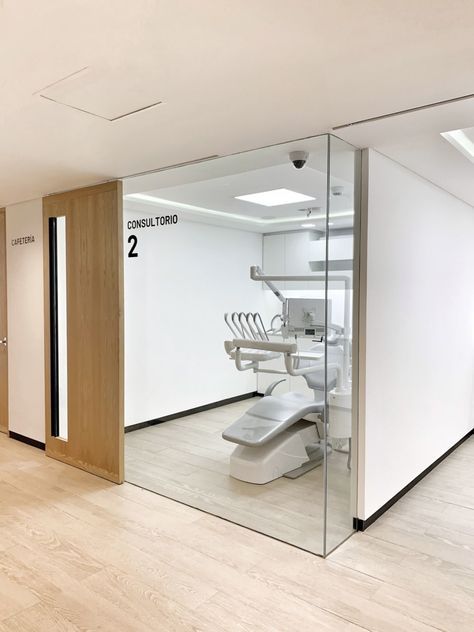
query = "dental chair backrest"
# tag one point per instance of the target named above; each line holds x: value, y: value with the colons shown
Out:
x: 315, y: 380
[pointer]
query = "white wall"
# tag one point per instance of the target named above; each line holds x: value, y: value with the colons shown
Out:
x: 420, y: 328
x: 25, y: 321
x: 176, y: 292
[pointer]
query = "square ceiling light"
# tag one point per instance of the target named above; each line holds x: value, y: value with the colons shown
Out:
x: 461, y: 141
x: 276, y: 197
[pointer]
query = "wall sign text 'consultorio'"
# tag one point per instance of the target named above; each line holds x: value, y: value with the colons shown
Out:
x: 152, y: 222
x: 147, y: 222
x: 20, y: 241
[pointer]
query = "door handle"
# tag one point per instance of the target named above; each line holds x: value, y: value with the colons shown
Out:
x: 3, y: 342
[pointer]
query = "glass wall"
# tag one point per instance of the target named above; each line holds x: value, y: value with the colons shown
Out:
x: 341, y: 270
x: 238, y: 338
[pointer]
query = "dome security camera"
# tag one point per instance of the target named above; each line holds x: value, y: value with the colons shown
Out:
x: 299, y: 159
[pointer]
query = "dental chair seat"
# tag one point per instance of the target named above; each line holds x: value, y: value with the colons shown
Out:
x: 269, y: 417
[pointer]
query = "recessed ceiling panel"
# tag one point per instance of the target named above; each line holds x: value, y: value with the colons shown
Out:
x: 217, y: 200
x: 295, y: 76
x: 109, y: 94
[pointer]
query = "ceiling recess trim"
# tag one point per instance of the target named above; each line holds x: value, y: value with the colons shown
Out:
x: 55, y: 83
x: 407, y: 111
x: 176, y: 165
x: 104, y: 118
x: 156, y: 201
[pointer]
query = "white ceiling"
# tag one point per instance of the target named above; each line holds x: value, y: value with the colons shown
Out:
x: 208, y: 191
x: 231, y: 76
x: 415, y: 140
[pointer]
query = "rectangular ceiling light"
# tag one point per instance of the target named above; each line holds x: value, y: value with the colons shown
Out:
x: 276, y: 197
x: 461, y: 141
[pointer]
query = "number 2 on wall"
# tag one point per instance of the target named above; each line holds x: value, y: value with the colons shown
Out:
x: 133, y: 240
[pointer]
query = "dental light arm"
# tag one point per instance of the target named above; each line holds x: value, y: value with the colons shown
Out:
x: 271, y: 286
x: 256, y: 274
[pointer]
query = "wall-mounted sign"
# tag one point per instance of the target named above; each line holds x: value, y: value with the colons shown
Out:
x: 147, y: 222
x: 21, y: 241
x: 152, y: 222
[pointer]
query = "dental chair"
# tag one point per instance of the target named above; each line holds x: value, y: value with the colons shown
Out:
x: 279, y: 436
x: 274, y: 437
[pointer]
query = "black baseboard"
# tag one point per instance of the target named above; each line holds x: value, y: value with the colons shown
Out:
x: 27, y: 440
x: 190, y: 411
x: 361, y: 525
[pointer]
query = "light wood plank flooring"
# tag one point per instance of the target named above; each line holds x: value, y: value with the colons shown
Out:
x: 80, y: 554
x: 187, y: 460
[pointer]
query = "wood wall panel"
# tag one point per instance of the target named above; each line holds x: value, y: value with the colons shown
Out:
x: 94, y: 266
x: 3, y: 326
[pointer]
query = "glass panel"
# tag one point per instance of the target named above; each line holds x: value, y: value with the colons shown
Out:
x: 341, y: 466
x: 194, y: 410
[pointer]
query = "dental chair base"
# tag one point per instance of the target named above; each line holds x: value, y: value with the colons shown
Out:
x: 284, y: 454
x: 315, y: 452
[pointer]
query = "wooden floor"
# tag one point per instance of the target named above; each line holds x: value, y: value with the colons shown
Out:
x: 187, y: 460
x: 80, y: 554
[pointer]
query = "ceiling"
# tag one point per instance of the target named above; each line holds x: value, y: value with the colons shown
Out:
x: 414, y: 140
x: 215, y: 78
x: 208, y: 191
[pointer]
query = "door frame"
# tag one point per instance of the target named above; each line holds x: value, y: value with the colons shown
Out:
x: 3, y: 306
x: 94, y: 231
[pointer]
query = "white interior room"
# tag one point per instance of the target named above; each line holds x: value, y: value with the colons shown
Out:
x: 191, y: 236
x: 147, y: 153
x: 417, y: 312
x: 413, y: 382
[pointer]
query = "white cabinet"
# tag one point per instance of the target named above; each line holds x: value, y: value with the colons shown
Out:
x: 297, y: 250
x: 288, y: 253
x: 274, y: 254
x: 341, y: 248
x: 303, y: 253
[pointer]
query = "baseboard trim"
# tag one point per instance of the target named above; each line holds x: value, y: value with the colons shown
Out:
x: 362, y: 525
x: 27, y: 440
x: 190, y: 411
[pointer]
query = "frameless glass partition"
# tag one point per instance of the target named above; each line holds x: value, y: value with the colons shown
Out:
x: 341, y: 271
x: 239, y: 338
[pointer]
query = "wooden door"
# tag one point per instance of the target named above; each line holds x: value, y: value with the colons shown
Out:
x: 94, y: 294
x: 3, y: 327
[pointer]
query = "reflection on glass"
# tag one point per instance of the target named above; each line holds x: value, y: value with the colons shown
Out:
x: 255, y: 432
x: 341, y: 466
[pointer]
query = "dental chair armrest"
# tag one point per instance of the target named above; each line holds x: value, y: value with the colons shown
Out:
x: 307, y: 355
x: 291, y: 370
x: 254, y: 355
x: 264, y: 345
x: 229, y: 346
